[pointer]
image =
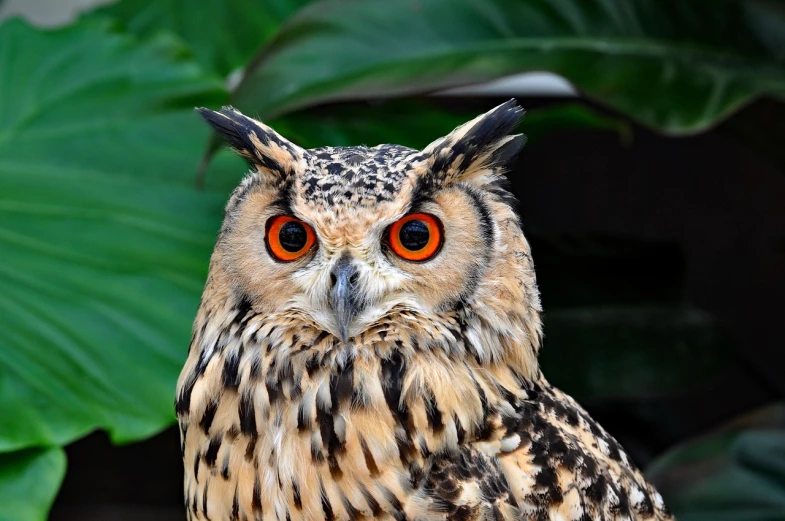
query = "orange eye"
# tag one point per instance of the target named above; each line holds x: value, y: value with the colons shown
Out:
x: 288, y: 238
x: 416, y: 237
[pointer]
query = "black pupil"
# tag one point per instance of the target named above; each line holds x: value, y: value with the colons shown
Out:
x: 292, y: 236
x: 414, y: 235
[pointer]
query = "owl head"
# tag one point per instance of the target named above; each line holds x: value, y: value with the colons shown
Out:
x: 421, y: 247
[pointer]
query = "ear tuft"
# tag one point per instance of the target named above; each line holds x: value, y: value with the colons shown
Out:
x: 479, y: 145
x: 259, y: 144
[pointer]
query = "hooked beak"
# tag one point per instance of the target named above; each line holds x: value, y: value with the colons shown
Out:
x: 344, y: 298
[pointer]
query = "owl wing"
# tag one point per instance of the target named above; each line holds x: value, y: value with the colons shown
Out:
x: 562, y: 466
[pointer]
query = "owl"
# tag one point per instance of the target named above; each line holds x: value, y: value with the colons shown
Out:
x: 366, y: 346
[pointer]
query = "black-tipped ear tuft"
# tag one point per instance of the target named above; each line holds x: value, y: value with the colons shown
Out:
x: 495, y: 124
x: 478, y: 145
x: 507, y: 151
x: 253, y: 140
x: 232, y: 126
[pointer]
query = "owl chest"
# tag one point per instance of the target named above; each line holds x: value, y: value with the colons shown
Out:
x: 288, y: 453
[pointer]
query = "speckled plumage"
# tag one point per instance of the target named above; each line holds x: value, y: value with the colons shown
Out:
x: 434, y: 407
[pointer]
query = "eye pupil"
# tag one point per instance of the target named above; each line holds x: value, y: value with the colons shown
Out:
x: 293, y: 236
x: 414, y: 235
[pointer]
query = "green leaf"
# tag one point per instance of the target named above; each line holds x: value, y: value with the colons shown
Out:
x: 223, y: 34
x: 734, y: 474
x: 632, y: 351
x: 105, y: 241
x: 232, y: 39
x: 675, y: 66
x: 29, y: 481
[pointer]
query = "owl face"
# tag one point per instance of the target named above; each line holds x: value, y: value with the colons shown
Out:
x: 349, y: 240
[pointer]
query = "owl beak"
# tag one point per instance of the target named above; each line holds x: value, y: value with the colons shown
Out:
x: 344, y: 296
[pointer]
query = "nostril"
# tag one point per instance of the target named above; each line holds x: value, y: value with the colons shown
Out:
x: 353, y: 279
x: 333, y: 279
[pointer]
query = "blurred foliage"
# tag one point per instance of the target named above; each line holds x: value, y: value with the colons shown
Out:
x: 105, y: 238
x: 736, y: 473
x: 676, y: 66
x: 104, y: 241
x: 29, y: 480
x: 222, y: 35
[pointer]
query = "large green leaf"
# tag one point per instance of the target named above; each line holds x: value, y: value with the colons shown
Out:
x: 223, y: 34
x: 734, y: 474
x: 105, y: 241
x: 676, y: 66
x: 29, y: 480
x: 232, y: 39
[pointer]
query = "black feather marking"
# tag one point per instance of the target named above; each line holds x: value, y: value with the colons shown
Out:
x: 250, y: 449
x: 463, y: 513
x: 433, y: 412
x: 312, y: 364
x: 247, y: 414
x: 395, y: 504
x: 183, y: 403
x: 235, y: 506
x: 231, y: 377
x: 242, y: 310
x: 327, y: 508
x: 298, y: 503
x: 459, y: 430
x: 256, y: 365
x: 484, y: 430
x: 208, y: 416
x: 341, y: 386
x: 422, y: 192
x: 225, y: 466
x: 351, y: 510
x: 330, y: 438
x: 274, y: 390
x: 204, y: 503
x: 197, y: 461
x: 393, y: 372
x: 303, y: 421
x: 376, y: 509
x: 370, y: 462
x: 212, y: 450
x: 335, y: 468
x: 256, y: 500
